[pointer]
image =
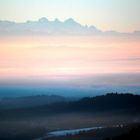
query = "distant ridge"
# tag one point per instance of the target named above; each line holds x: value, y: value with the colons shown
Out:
x: 112, y: 102
x: 56, y: 27
x: 30, y: 101
x: 109, y: 102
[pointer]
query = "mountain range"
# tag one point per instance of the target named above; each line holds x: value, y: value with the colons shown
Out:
x: 53, y: 28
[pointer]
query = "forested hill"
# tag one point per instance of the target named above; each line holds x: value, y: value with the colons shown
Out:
x: 108, y: 102
x: 55, y: 104
x: 112, y: 101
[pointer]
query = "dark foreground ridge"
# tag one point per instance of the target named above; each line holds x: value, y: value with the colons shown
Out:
x: 133, y: 134
x: 109, y: 102
x: 27, y: 122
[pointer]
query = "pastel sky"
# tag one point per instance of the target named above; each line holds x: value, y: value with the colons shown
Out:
x: 72, y: 58
x: 69, y: 58
x: 120, y: 15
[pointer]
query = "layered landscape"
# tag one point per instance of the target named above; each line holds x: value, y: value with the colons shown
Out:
x: 105, y: 116
x: 69, y: 70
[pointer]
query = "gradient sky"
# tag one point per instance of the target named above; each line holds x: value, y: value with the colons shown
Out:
x: 72, y: 58
x: 62, y: 59
x: 120, y: 15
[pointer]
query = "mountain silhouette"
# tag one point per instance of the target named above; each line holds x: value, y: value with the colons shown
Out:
x: 56, y: 27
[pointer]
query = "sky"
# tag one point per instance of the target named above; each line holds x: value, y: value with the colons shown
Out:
x: 72, y: 60
x: 69, y: 59
x: 120, y: 15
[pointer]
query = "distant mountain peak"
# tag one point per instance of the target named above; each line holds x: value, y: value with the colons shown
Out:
x: 70, y: 20
x: 43, y: 26
x: 57, y: 20
x: 43, y: 19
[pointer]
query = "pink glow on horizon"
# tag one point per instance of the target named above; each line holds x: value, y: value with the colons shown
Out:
x: 53, y: 57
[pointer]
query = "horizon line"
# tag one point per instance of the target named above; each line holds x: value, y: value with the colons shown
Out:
x: 43, y: 19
